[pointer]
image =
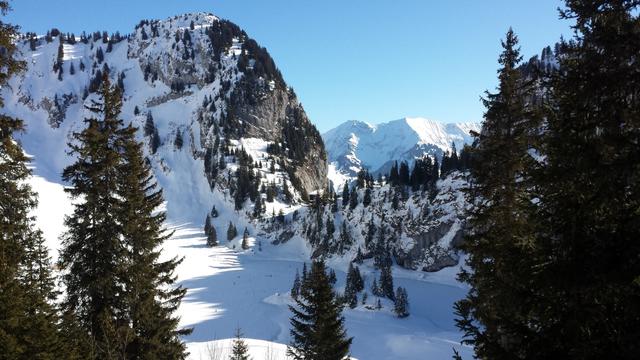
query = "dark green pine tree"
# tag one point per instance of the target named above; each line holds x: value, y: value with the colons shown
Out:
x: 151, y: 131
x: 588, y: 283
x: 295, y: 288
x: 403, y: 174
x: 28, y: 319
x: 401, y: 303
x: 386, y: 282
x: 350, y: 296
x: 367, y: 197
x: 16, y: 199
x: 239, y: 349
x: 345, y: 194
x: 353, y: 198
x: 93, y: 257
x: 303, y: 279
x: 42, y: 336
x: 151, y: 294
x: 210, y: 232
x: 231, y: 232
x: 500, y: 239
x: 178, y: 141
x: 318, y: 331
x: 245, y: 239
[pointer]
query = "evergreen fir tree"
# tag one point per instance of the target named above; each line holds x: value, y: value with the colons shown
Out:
x: 304, y: 273
x: 151, y: 131
x: 354, y: 285
x: 501, y: 234
x: 318, y: 331
x: 178, y: 141
x: 231, y: 232
x: 367, y: 197
x: 214, y: 212
x: 350, y: 293
x: 245, y: 239
x: 210, y: 231
x: 99, y: 55
x: 28, y: 322
x: 401, y: 303
x: 295, y: 288
x: 332, y: 277
x: 239, y: 349
x: 345, y: 194
x: 92, y: 256
x: 257, y: 207
x: 207, y: 223
x: 393, y: 174
x: 345, y: 238
x: 386, y: 282
x: 151, y: 295
x: 403, y: 174
x: 375, y: 289
x: 587, y: 278
x: 42, y: 336
x: 353, y: 198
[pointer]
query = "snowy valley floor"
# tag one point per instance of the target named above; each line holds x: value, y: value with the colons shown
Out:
x: 230, y: 289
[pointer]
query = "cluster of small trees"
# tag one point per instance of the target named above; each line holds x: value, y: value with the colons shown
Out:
x: 426, y: 171
x: 355, y: 283
x: 247, y: 182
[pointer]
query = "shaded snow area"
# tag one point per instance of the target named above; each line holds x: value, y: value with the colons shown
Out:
x: 356, y: 145
x: 250, y: 289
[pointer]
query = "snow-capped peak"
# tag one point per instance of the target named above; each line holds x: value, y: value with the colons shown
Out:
x: 354, y: 144
x: 199, y: 19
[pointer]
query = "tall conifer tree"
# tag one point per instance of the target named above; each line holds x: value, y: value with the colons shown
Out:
x: 500, y: 235
x: 589, y: 301
x: 28, y: 320
x: 93, y: 257
x: 151, y: 294
x: 317, y: 326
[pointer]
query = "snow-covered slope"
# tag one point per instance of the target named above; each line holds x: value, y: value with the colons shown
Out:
x: 356, y: 145
x: 229, y: 288
x: 221, y: 95
x: 197, y: 78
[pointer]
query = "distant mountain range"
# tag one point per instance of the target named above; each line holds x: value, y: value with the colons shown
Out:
x: 356, y: 145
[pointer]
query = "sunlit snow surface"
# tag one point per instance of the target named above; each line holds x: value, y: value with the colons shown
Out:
x: 229, y: 288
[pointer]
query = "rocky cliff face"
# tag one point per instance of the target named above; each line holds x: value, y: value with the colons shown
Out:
x: 270, y: 112
x: 256, y: 100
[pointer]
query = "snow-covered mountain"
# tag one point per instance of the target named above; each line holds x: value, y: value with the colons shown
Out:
x: 214, y: 111
x: 356, y: 145
x: 199, y: 79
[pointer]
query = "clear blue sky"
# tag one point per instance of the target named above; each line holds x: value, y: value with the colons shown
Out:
x: 372, y: 60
